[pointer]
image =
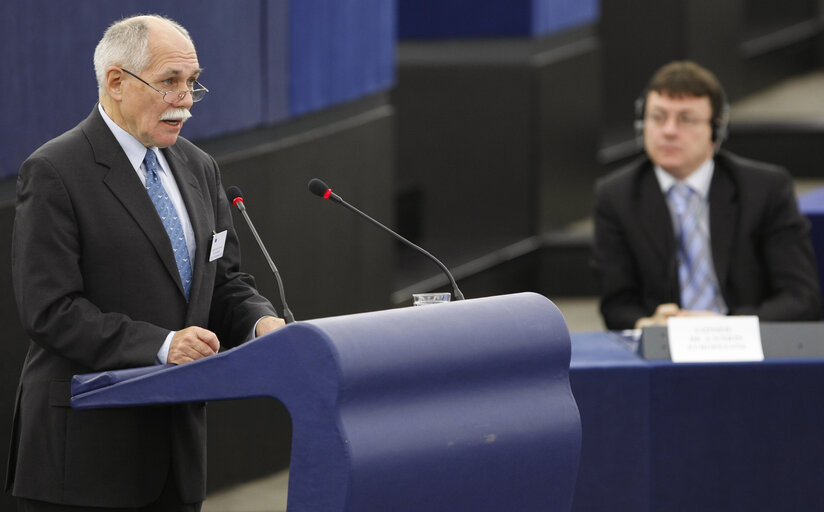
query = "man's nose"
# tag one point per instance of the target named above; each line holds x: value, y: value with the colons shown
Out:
x: 184, y: 102
x: 670, y: 125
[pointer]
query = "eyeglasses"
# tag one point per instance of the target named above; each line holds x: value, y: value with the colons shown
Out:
x: 197, y: 94
x: 682, y: 119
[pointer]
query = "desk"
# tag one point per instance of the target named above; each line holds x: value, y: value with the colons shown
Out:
x: 659, y: 436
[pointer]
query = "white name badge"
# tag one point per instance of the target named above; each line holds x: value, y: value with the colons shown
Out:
x: 714, y: 339
x: 218, y: 243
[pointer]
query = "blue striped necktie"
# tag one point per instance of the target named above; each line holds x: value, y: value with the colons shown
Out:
x: 699, y: 288
x: 170, y: 219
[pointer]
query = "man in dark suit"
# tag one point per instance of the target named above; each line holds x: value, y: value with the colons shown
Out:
x: 692, y: 230
x: 117, y: 263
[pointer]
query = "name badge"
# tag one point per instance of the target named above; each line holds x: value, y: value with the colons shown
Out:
x: 218, y: 244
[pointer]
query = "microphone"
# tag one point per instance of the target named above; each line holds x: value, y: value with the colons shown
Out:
x: 319, y: 188
x: 236, y: 196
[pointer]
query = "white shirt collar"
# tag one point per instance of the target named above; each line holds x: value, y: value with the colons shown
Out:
x: 699, y: 180
x: 134, y: 149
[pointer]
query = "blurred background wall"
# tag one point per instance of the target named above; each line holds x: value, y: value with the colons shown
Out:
x: 475, y: 127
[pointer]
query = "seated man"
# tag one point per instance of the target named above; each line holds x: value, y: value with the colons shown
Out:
x: 689, y: 229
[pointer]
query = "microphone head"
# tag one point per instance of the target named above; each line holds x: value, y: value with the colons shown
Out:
x: 234, y: 194
x: 319, y: 188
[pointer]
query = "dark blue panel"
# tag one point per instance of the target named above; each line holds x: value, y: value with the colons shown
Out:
x: 228, y: 38
x: 340, y: 50
x: 660, y: 436
x: 434, y: 19
x: 737, y: 436
x: 550, y: 16
x: 50, y: 45
x: 811, y: 205
x: 276, y: 60
x: 230, y: 44
x: 611, y: 387
x: 425, y: 19
x: 48, y: 80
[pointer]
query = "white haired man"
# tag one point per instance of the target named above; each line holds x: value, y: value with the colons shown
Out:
x: 112, y: 269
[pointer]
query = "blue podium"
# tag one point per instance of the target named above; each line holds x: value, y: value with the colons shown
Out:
x: 463, y: 406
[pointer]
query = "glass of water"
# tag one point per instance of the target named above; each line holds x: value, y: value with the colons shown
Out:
x: 425, y: 299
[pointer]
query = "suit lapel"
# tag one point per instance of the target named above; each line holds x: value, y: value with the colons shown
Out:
x: 656, y: 225
x: 123, y: 182
x: 656, y: 221
x: 723, y: 219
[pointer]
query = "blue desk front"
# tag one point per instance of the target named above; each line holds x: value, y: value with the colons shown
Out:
x: 659, y: 436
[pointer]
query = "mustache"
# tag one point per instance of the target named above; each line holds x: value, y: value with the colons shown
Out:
x: 176, y: 114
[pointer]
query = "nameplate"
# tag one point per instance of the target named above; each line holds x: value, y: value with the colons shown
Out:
x: 714, y: 339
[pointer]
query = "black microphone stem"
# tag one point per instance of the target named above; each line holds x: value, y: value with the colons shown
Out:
x: 457, y: 292
x: 287, y: 314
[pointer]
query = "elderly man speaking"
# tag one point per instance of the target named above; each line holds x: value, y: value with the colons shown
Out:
x: 113, y: 268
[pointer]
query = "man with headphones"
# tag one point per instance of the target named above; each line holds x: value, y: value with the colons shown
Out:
x: 690, y: 229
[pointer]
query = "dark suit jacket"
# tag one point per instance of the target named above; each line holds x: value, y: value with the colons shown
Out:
x: 760, y: 243
x: 97, y: 288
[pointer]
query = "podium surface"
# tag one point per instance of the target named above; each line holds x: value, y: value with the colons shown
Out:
x: 458, y: 406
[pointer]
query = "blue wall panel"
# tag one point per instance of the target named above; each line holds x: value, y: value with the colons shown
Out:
x: 253, y: 53
x: 45, y: 90
x: 229, y: 37
x: 442, y: 19
x: 436, y: 19
x: 275, y: 82
x: 550, y: 16
x: 339, y: 51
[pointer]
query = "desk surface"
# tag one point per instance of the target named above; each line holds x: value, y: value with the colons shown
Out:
x: 812, y: 202
x: 664, y: 436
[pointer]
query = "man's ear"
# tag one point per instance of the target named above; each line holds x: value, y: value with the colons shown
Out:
x: 114, y: 82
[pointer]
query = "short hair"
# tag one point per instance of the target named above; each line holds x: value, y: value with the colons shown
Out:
x: 686, y: 78
x: 126, y: 43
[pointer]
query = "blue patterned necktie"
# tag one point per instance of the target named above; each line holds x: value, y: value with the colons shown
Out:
x: 171, y: 222
x: 699, y: 288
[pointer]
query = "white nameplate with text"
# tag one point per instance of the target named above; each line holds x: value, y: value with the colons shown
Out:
x: 714, y: 339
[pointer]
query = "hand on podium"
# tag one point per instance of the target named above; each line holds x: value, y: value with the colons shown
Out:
x: 191, y: 344
x: 268, y: 324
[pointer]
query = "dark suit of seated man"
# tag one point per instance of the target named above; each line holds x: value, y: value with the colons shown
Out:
x: 113, y: 268
x: 689, y: 229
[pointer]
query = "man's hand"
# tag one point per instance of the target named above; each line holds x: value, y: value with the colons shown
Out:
x: 268, y: 324
x: 695, y: 312
x: 662, y: 313
x: 191, y: 344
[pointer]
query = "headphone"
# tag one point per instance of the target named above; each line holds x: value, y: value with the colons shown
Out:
x: 720, y: 125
